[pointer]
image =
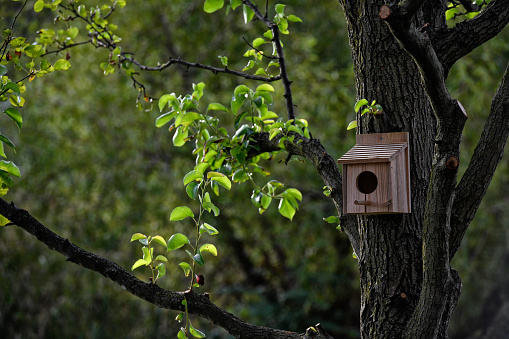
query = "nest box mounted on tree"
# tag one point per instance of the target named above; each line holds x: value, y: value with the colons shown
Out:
x: 376, y: 174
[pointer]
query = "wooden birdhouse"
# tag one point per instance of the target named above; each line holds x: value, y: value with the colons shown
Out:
x: 376, y: 175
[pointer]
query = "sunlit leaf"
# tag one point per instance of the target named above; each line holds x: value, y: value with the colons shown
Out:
x: 265, y: 87
x: 137, y: 236
x: 138, y: 263
x: 160, y: 240
x: 210, y: 6
x: 196, y: 333
x: 192, y: 176
x: 209, y: 248
x: 177, y: 241
x: 211, y: 230
x: 186, y: 267
x: 15, y: 116
x: 352, y: 125
x: 359, y: 104
x: 180, y: 213
x: 286, y: 209
x: 10, y: 167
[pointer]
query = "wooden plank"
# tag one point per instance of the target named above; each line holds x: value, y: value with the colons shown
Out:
x: 382, y: 138
x: 352, y: 192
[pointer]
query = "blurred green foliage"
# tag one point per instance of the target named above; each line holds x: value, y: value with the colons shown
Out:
x: 96, y: 170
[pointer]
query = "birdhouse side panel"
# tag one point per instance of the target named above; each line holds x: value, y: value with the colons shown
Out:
x: 350, y: 191
x: 401, y: 183
x: 379, y: 198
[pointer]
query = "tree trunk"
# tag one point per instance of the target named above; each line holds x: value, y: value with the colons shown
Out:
x: 390, y: 258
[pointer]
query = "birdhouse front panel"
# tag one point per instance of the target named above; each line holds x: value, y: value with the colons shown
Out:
x: 376, y: 175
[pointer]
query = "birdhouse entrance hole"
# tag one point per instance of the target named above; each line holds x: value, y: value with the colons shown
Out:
x: 367, y: 182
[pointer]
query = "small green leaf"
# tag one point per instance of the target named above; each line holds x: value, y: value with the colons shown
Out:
x: 210, y: 207
x: 258, y: 42
x: 182, y: 334
x: 15, y: 116
x: 280, y: 8
x: 62, y: 64
x: 293, y: 192
x: 217, y: 107
x: 39, y: 5
x: 161, y: 270
x: 147, y: 254
x: 180, y: 213
x: 180, y: 135
x: 198, y: 258
x: 211, y: 6
x: 164, y: 100
x: 138, y: 236
x: 265, y: 87
x: 177, y: 241
x: 160, y: 240
x: 10, y: 167
x: 294, y: 18
x: 359, y: 104
x: 193, y: 176
x: 352, y: 125
x: 161, y: 258
x: 286, y: 209
x: 192, y: 189
x: 211, y: 230
x: 2, y: 151
x: 11, y: 86
x: 165, y: 118
x: 186, y: 267
x: 221, y: 179
x: 332, y: 219
x: 196, y: 333
x: 3, y: 70
x: 209, y: 248
x: 248, y: 13
x: 138, y: 263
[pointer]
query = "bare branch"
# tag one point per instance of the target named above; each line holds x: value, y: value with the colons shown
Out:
x: 452, y: 44
x: 198, y: 304
x: 480, y: 171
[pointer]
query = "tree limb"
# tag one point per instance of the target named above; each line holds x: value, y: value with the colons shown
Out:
x: 198, y: 304
x: 452, y: 44
x: 488, y: 153
x: 313, y: 150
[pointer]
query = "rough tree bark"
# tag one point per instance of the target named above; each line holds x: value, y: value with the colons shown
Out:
x: 408, y: 288
x: 402, y: 54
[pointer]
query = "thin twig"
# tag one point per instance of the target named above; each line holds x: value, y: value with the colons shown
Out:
x: 259, y: 51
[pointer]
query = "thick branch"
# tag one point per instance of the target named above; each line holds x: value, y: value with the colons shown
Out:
x: 287, y: 84
x: 198, y: 304
x: 452, y: 44
x: 480, y: 171
x: 313, y: 150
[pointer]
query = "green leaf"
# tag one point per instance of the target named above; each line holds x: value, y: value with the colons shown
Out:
x: 196, y: 333
x: 294, y: 18
x: 161, y: 258
x: 210, y: 207
x: 138, y: 263
x: 248, y: 13
x: 192, y: 189
x: 179, y: 137
x: 265, y: 87
x: 221, y: 179
x: 352, y: 125
x: 182, y: 334
x: 258, y: 42
x: 10, y: 167
x: 138, y: 236
x: 193, y: 176
x: 164, y: 100
x: 217, y: 107
x: 198, y: 258
x: 286, y: 209
x: 293, y: 192
x: 211, y: 230
x: 61, y: 64
x: 147, y: 254
x: 39, y: 5
x: 332, y: 219
x: 3, y: 220
x: 186, y: 267
x: 15, y: 116
x: 3, y: 70
x: 165, y: 118
x: 180, y: 213
x: 2, y: 151
x: 5, y: 179
x: 280, y: 8
x: 211, y: 6
x: 161, y: 270
x: 359, y: 104
x: 11, y: 86
x: 160, y: 240
x: 209, y: 248
x: 235, y: 3
x: 177, y: 241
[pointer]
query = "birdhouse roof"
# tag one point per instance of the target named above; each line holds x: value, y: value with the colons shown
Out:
x: 372, y: 153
